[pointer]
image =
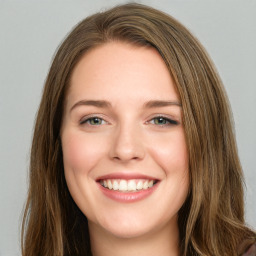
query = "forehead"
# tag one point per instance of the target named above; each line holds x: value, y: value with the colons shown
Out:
x: 117, y: 68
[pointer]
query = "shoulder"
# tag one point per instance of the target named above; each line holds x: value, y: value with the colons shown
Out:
x: 251, y: 251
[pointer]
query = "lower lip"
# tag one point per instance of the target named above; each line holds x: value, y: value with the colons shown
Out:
x: 128, y: 197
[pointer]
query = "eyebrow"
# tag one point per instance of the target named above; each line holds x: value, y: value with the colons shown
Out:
x: 106, y: 104
x: 161, y: 103
x: 95, y: 103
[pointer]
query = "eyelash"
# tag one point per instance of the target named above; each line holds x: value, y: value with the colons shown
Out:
x: 168, y: 121
x: 87, y: 120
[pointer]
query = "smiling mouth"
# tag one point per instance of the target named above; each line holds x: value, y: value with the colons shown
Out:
x: 126, y: 186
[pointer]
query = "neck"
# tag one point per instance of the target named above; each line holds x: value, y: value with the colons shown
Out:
x: 164, y: 242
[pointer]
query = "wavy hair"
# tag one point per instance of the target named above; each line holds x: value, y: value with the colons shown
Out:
x: 211, y: 221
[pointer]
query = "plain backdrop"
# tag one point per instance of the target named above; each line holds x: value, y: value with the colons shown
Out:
x: 30, y: 32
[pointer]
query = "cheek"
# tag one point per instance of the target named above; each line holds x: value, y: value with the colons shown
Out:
x: 80, y: 153
x: 171, y: 152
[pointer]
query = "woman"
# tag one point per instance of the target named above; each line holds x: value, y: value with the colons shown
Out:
x: 133, y: 149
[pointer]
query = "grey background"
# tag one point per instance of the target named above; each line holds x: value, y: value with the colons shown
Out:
x: 31, y: 30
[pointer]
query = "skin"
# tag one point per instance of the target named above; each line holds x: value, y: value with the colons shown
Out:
x: 128, y: 138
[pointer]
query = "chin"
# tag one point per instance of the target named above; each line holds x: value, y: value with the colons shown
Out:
x: 128, y: 231
x: 131, y: 226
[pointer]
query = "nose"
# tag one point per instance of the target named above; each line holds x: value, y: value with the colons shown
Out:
x: 127, y: 145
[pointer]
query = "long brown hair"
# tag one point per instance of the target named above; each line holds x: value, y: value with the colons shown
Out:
x: 211, y: 221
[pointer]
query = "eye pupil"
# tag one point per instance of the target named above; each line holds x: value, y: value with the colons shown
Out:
x: 95, y: 121
x: 160, y: 120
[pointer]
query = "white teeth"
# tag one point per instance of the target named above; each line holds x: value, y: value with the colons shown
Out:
x: 131, y: 186
x: 109, y: 184
x: 150, y: 184
x: 123, y: 185
x: 140, y: 185
x: 127, y: 185
x: 115, y: 185
x: 145, y: 185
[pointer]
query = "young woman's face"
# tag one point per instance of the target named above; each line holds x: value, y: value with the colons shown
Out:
x: 124, y: 149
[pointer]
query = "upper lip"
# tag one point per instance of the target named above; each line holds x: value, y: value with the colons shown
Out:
x: 125, y: 176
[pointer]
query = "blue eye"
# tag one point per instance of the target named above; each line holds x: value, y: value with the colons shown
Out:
x: 162, y: 121
x: 93, y: 121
